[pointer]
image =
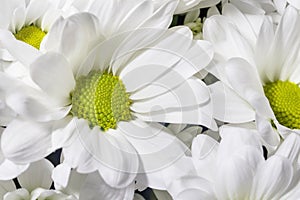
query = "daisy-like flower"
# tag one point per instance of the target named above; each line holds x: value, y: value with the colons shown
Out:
x: 29, y: 21
x: 237, y: 168
x: 260, y: 75
x: 102, y: 106
x: 189, y: 5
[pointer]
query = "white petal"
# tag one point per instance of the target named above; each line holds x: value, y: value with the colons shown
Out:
x: 53, y: 74
x: 155, y: 146
x: 35, y: 9
x: 96, y: 188
x: 294, y: 3
x: 244, y: 79
x: 195, y: 115
x: 6, y: 186
x: 290, y: 148
x: 18, y: 18
x: 10, y: 170
x: 25, y: 141
x: 117, y: 158
x: 204, y: 152
x: 162, y: 17
x: 65, y: 136
x: 136, y: 16
x: 6, y: 10
x: 34, y: 105
x: 240, y: 20
x: 191, y: 93
x: 18, y: 194
x: 72, y: 37
x: 267, y: 132
x: 60, y: 175
x: 229, y: 106
x: 284, y: 49
x: 265, y: 37
x: 37, y: 175
x: 23, y: 52
x: 191, y: 16
x: 109, y: 153
x: 190, y: 187
x: 75, y: 183
x: 223, y: 34
x: 272, y: 178
x: 235, y: 138
x: 190, y: 62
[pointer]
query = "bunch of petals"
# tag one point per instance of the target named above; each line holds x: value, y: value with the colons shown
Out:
x: 237, y: 168
x: 258, y: 73
x: 36, y: 181
x: 100, y: 99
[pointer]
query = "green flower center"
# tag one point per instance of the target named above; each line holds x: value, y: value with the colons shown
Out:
x: 31, y: 35
x: 284, y: 98
x: 101, y: 99
x: 196, y: 27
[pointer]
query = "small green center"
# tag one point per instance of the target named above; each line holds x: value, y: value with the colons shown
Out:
x: 31, y: 35
x: 196, y: 27
x: 284, y: 98
x: 101, y: 99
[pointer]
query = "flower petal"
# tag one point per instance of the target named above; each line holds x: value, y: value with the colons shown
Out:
x: 37, y: 175
x: 272, y: 178
x: 6, y: 186
x: 53, y: 74
x: 26, y: 141
x: 158, y: 150
x: 10, y: 170
x: 21, y: 51
x: 191, y: 93
x: 228, y: 106
x: 95, y: 187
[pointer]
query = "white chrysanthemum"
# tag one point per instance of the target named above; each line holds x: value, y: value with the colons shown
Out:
x: 188, y: 5
x: 35, y: 183
x: 101, y: 105
x: 30, y: 21
x: 235, y: 168
x: 261, y: 74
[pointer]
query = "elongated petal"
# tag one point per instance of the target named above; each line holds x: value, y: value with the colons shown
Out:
x: 229, y: 106
x: 272, y: 178
x: 26, y: 141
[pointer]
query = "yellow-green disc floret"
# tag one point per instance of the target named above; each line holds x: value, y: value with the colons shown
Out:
x: 284, y: 98
x: 32, y: 35
x: 101, y: 99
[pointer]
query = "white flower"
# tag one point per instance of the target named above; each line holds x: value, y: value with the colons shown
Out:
x: 189, y: 5
x: 133, y: 80
x: 235, y: 168
x: 30, y: 21
x: 260, y: 75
